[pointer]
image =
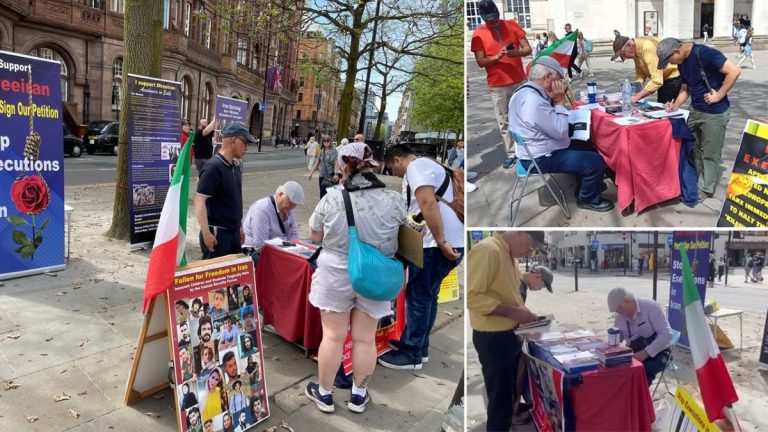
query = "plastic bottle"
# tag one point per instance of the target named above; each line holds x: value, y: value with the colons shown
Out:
x: 626, y: 97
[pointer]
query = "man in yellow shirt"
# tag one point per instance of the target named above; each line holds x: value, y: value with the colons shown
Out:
x: 496, y: 308
x: 667, y: 81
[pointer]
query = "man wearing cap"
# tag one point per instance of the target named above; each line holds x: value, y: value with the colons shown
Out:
x: 219, y: 198
x: 496, y: 308
x: 203, y: 145
x: 618, y: 44
x: 443, y: 247
x: 644, y: 326
x: 707, y: 78
x: 499, y: 46
x: 271, y: 217
x: 667, y: 81
x: 538, y: 114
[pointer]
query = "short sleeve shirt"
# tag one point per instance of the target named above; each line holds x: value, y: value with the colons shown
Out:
x: 222, y: 183
x: 327, y: 159
x: 424, y: 172
x: 203, y: 145
x: 490, y: 41
x: 690, y: 70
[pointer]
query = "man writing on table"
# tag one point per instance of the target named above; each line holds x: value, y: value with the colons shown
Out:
x: 271, y: 217
x: 645, y: 328
x: 707, y: 77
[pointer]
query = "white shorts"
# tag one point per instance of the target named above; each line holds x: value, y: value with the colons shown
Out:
x: 332, y: 291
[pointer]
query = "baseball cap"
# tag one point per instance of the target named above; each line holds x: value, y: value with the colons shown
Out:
x: 293, y: 191
x: 618, y: 44
x: 615, y: 297
x: 236, y: 129
x: 664, y: 50
x: 538, y: 237
x: 550, y: 63
x: 546, y: 275
x: 487, y: 10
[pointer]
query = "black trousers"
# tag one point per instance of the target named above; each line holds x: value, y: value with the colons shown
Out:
x: 227, y: 242
x: 669, y: 90
x: 499, y: 354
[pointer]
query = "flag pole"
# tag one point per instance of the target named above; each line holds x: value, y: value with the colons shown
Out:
x: 730, y: 415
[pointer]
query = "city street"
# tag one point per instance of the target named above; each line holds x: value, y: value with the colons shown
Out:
x: 587, y: 309
x: 101, y: 168
x: 76, y: 333
x: 489, y: 205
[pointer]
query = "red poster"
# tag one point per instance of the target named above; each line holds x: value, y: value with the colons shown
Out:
x: 219, y: 364
x: 546, y: 384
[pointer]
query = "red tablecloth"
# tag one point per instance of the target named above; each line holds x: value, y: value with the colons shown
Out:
x: 283, y: 281
x: 613, y: 399
x: 645, y: 158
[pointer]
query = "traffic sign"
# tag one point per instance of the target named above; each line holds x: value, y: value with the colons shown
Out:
x: 262, y: 106
x: 669, y: 240
x: 595, y: 244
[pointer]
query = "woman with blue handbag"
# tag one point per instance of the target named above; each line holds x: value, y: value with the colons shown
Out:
x: 374, y: 217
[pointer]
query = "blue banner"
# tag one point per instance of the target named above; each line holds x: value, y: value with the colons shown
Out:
x: 228, y: 110
x: 31, y: 166
x: 153, y: 120
x: 698, y: 244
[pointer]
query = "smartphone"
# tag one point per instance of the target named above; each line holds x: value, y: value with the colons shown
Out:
x: 511, y: 46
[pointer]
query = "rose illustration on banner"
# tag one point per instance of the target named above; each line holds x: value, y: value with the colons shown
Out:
x: 31, y: 196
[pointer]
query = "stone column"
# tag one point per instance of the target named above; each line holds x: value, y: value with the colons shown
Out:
x: 723, y: 25
x: 678, y: 19
x: 759, y: 17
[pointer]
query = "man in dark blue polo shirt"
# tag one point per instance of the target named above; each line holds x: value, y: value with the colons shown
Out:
x: 219, y: 199
x: 707, y: 77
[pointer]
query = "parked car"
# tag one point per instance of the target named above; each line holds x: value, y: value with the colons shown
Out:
x: 104, y: 139
x: 73, y: 145
x: 94, y: 127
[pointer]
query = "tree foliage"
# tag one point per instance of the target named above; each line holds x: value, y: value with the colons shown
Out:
x: 438, y: 85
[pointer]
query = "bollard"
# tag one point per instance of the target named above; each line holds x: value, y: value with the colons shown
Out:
x: 576, y: 273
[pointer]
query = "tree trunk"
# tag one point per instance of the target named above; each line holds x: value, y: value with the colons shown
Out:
x: 382, y: 109
x: 348, y: 93
x: 143, y: 41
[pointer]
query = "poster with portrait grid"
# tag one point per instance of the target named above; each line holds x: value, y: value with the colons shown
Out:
x: 218, y: 360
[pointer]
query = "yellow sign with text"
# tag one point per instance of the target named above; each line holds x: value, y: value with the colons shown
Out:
x: 449, y: 288
x: 693, y: 410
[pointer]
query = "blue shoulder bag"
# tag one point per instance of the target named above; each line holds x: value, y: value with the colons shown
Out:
x: 373, y: 275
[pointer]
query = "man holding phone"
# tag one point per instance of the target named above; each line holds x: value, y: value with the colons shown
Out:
x: 498, y: 46
x: 707, y: 77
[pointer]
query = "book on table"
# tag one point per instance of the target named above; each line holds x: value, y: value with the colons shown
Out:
x: 540, y: 321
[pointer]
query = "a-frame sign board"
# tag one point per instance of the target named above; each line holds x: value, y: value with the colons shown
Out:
x: 207, y: 327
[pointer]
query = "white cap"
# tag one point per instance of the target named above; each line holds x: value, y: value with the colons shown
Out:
x: 293, y: 191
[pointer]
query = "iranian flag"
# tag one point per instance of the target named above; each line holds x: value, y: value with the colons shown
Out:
x: 714, y: 380
x: 560, y: 51
x: 170, y: 239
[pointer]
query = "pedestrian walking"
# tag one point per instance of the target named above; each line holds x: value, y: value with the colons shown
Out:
x: 499, y: 46
x: 585, y: 47
x: 574, y: 53
x: 327, y: 164
x: 720, y: 269
x: 757, y: 268
x: 748, y: 50
x: 711, y: 270
x: 312, y: 150
x: 708, y: 76
x: 539, y: 45
x: 748, y: 264
x: 743, y: 32
x: 705, y: 32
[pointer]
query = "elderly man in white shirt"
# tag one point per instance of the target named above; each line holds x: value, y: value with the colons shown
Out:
x: 272, y: 217
x: 537, y: 113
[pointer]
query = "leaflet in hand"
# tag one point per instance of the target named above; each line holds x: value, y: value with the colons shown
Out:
x: 540, y: 321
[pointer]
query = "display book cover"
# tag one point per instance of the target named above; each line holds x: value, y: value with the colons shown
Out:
x: 613, y: 355
x: 540, y: 321
x: 580, y: 361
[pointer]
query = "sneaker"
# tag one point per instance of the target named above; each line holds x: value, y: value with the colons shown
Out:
x: 342, y: 380
x: 324, y: 403
x: 470, y: 187
x: 395, y: 345
x: 509, y: 162
x: 399, y: 360
x: 357, y: 403
x: 471, y: 175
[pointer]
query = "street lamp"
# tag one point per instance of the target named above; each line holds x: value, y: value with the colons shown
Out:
x: 319, y: 97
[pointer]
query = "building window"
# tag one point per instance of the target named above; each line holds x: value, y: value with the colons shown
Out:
x: 96, y: 4
x: 301, y: 81
x: 187, y: 18
x: 256, y: 55
x: 176, y: 14
x: 207, y: 37
x: 186, y: 97
x: 473, y: 18
x: 166, y: 13
x: 314, y: 115
x: 298, y: 114
x: 301, y: 97
x: 119, y: 6
x: 242, y: 51
x: 207, y: 101
x: 50, y: 54
x: 521, y: 8
x: 117, y: 78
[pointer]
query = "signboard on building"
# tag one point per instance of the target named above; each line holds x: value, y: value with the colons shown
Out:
x: 698, y: 245
x: 153, y: 120
x: 747, y: 192
x: 31, y: 166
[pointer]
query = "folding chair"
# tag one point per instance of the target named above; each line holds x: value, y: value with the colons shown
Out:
x: 670, y: 366
x: 532, y: 171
